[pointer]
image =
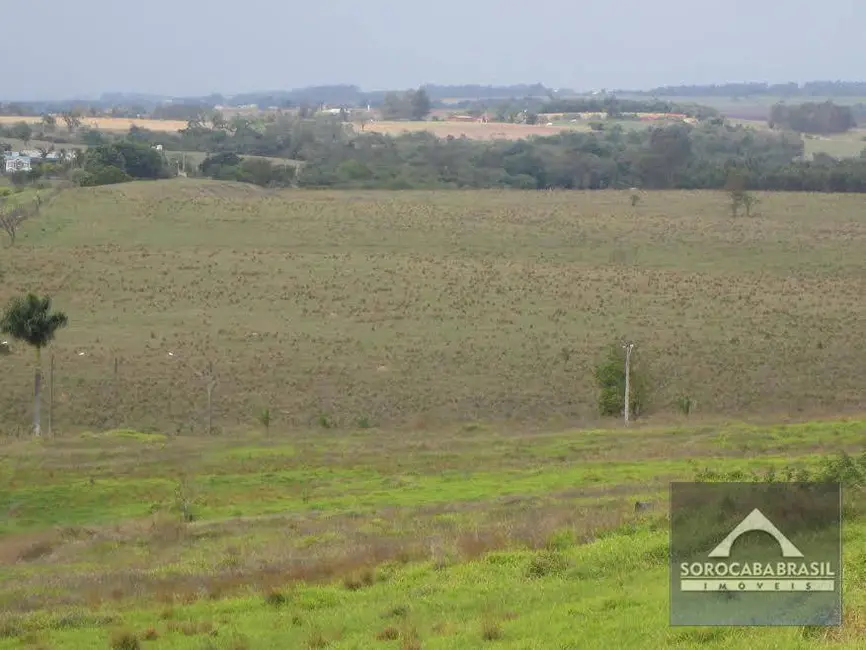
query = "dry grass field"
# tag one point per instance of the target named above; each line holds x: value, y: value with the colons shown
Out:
x: 345, y: 309
x: 472, y: 130
x: 107, y: 123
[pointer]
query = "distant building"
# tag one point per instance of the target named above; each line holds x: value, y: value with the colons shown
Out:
x: 15, y: 162
x: 23, y: 161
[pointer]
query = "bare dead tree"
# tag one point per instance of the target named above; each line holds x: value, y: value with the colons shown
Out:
x: 11, y: 219
x: 12, y: 216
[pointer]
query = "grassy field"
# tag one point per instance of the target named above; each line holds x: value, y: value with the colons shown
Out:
x: 472, y: 130
x: 196, y: 157
x: 842, y: 145
x: 105, y: 123
x: 433, y: 474
x: 470, y: 537
x: 757, y: 107
x: 847, y: 145
x: 492, y: 130
x: 343, y: 309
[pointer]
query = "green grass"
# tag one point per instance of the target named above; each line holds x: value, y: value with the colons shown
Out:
x: 195, y: 158
x: 18, y: 145
x: 847, y: 145
x: 627, y: 125
x: 338, y: 310
x: 842, y: 145
x: 469, y: 537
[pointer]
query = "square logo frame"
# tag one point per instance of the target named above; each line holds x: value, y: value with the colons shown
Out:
x: 755, y: 554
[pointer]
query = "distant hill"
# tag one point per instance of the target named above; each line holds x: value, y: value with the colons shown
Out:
x: 791, y: 89
x: 132, y: 104
x: 339, y: 95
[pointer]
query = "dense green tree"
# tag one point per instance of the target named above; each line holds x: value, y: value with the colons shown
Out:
x: 21, y: 131
x: 119, y: 162
x: 223, y: 159
x: 420, y: 104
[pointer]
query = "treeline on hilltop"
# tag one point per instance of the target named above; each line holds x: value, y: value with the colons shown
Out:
x: 673, y: 157
x: 168, y: 107
x: 412, y: 104
x: 528, y: 96
x: 616, y: 107
x: 329, y: 153
x: 758, y: 89
x: 812, y: 117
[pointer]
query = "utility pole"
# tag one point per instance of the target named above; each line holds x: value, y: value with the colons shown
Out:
x: 210, y: 383
x: 51, y: 397
x: 628, y: 347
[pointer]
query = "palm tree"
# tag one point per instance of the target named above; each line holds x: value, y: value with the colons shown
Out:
x: 29, y: 319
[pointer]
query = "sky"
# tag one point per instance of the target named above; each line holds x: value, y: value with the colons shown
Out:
x: 66, y: 49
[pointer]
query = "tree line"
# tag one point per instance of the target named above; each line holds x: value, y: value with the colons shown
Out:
x: 326, y: 152
x: 758, y: 89
x: 679, y: 156
x: 812, y: 117
x: 615, y: 107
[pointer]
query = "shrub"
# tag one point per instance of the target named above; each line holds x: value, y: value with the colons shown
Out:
x: 685, y: 404
x: 390, y: 633
x: 124, y: 641
x: 276, y: 598
x: 491, y: 630
x: 546, y: 563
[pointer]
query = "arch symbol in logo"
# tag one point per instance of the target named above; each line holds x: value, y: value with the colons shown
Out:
x: 756, y: 520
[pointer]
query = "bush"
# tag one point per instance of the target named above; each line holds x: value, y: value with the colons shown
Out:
x: 124, y: 641
x: 849, y: 471
x: 547, y: 563
x: 108, y: 175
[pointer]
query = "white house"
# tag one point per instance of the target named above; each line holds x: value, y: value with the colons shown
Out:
x: 16, y: 163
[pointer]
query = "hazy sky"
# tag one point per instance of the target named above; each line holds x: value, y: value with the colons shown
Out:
x: 63, y: 48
